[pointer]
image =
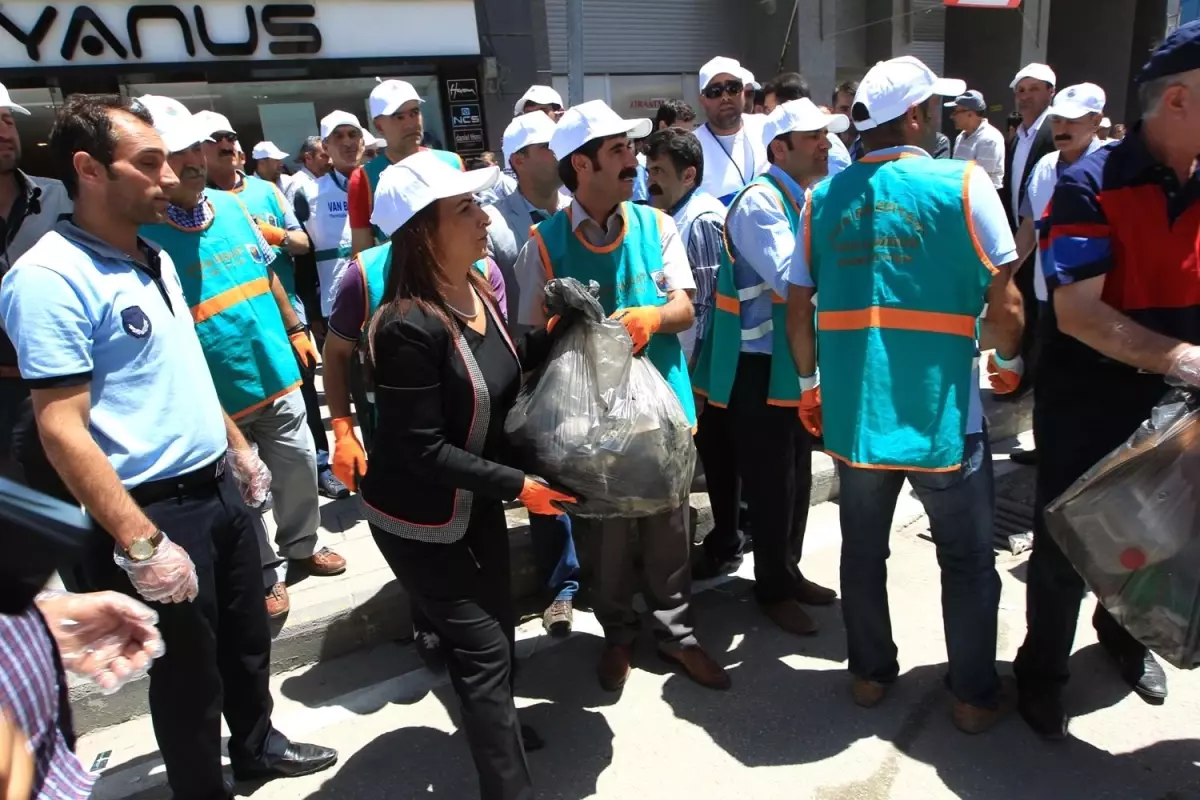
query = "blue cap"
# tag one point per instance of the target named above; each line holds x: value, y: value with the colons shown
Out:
x: 1179, y: 52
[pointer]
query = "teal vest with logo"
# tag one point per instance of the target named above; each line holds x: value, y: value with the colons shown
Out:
x: 722, y: 346
x: 630, y: 273
x: 901, y: 281
x: 375, y: 167
x: 375, y: 262
x: 266, y: 204
x: 227, y: 285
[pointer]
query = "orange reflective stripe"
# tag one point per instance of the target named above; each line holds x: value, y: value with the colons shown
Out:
x: 897, y: 318
x: 545, y: 254
x: 966, y: 195
x: 729, y: 304
x: 229, y: 298
x: 891, y: 467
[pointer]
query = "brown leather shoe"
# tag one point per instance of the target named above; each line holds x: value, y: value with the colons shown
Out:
x: 614, y: 666
x: 324, y: 563
x: 814, y: 594
x: 974, y: 720
x: 278, y: 603
x: 699, y: 666
x: 790, y: 616
x: 868, y: 694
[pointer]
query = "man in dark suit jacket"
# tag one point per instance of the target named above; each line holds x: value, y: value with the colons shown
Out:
x: 1033, y: 88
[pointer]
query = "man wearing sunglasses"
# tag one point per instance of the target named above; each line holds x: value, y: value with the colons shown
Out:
x: 734, y: 153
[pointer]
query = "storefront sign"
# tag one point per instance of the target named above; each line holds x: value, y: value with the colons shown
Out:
x: 463, y: 90
x: 465, y: 116
x: 468, y: 140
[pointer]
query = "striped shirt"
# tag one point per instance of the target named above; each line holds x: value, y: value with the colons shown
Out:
x: 33, y: 693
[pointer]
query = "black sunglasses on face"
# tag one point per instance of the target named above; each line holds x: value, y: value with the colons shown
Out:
x: 715, y: 90
x: 224, y: 137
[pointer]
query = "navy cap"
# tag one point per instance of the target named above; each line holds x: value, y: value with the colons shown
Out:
x: 1179, y: 52
x: 971, y: 101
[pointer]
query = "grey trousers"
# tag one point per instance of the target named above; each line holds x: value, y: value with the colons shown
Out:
x: 666, y: 577
x: 285, y: 445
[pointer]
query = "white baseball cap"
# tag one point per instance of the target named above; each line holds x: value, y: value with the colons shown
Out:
x: 593, y: 120
x: 748, y: 79
x: 721, y: 65
x: 801, y: 116
x: 1036, y: 71
x: 388, y: 96
x: 532, y: 128
x: 891, y: 88
x: 371, y: 140
x: 268, y: 150
x: 175, y: 124
x: 336, y: 119
x: 538, y: 95
x: 410, y: 185
x: 1106, y: 123
x: 7, y: 102
x: 1078, y: 101
x: 211, y: 122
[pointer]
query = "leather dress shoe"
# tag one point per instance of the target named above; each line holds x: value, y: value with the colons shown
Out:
x: 707, y: 567
x: 699, y: 666
x: 298, y: 759
x: 791, y: 617
x: 615, y: 664
x: 1043, y: 712
x: 976, y: 719
x: 868, y: 694
x: 814, y: 594
x: 1145, y: 675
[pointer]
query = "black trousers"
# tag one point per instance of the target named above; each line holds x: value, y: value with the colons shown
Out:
x: 465, y: 592
x: 218, y: 647
x: 312, y: 410
x: 1070, y: 441
x: 1033, y: 334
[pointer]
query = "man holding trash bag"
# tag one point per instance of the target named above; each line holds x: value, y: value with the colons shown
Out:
x: 1120, y: 262
x: 636, y: 256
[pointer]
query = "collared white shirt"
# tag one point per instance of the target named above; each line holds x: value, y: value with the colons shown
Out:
x: 984, y: 146
x: 1021, y: 159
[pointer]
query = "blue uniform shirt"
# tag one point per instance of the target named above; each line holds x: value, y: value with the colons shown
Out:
x: 79, y: 312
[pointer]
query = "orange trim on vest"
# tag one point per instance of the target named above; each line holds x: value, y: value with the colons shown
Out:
x: 806, y: 229
x: 966, y: 196
x: 879, y: 159
x: 229, y: 298
x: 891, y: 467
x: 547, y: 269
x: 729, y: 304
x: 605, y: 248
x: 897, y: 319
x: 267, y: 402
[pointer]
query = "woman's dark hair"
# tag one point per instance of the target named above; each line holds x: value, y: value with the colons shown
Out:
x: 415, y: 277
x: 83, y: 125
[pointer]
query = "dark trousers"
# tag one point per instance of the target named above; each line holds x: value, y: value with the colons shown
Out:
x: 961, y: 507
x: 218, y: 647
x: 554, y: 555
x: 464, y: 590
x: 13, y: 397
x: 1070, y: 442
x: 1032, y: 336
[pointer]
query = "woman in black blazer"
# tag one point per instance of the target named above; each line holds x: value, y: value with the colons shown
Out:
x: 446, y: 374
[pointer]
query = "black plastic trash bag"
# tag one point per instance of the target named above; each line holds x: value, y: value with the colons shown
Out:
x: 1131, y: 527
x: 597, y: 421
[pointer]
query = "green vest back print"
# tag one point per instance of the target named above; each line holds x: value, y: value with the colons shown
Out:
x: 227, y: 285
x: 722, y: 347
x: 901, y: 282
x: 630, y: 273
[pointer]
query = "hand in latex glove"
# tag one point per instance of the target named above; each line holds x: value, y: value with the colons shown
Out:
x: 168, y: 576
x: 810, y: 404
x: 541, y: 499
x: 304, y: 348
x: 641, y: 323
x: 1186, y: 369
x: 107, y: 637
x: 349, y: 458
x: 1005, y: 375
x: 252, y: 476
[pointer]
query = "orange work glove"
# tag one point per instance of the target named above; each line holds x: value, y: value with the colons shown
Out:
x: 810, y: 404
x: 541, y: 499
x: 349, y: 459
x: 305, y: 349
x: 274, y: 235
x: 1005, y: 375
x: 641, y: 322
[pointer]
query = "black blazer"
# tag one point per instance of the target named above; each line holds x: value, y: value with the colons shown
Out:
x: 1043, y: 145
x: 428, y: 458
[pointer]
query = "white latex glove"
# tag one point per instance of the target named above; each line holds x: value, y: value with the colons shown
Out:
x: 168, y: 576
x: 252, y: 476
x: 1186, y: 369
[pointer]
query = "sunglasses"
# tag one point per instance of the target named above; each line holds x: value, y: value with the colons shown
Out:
x: 224, y: 137
x: 715, y: 90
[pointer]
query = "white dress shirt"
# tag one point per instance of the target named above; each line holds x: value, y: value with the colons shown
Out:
x: 1021, y: 159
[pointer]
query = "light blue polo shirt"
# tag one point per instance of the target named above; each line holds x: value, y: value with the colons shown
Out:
x: 80, y: 311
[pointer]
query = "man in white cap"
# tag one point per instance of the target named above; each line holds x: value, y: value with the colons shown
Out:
x: 226, y: 270
x: 540, y: 98
x: 314, y: 162
x: 599, y: 236
x: 747, y: 374
x: 750, y: 87
x: 734, y: 153
x: 268, y: 164
x: 1105, y: 133
x: 978, y: 140
x: 396, y: 112
x: 906, y: 251
x: 133, y: 423
x: 29, y: 208
x: 371, y: 146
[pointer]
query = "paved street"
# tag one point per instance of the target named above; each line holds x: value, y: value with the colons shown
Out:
x: 787, y: 729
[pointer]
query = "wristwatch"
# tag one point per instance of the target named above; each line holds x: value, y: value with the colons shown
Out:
x: 143, y: 549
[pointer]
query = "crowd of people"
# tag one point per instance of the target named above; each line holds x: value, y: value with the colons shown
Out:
x: 804, y: 277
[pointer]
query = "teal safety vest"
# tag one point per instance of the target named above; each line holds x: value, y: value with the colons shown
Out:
x: 629, y: 272
x: 902, y: 280
x: 267, y: 204
x: 374, y: 168
x: 226, y: 282
x: 374, y: 263
x: 722, y: 347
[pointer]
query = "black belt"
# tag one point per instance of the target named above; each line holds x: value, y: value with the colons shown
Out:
x: 189, y: 483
